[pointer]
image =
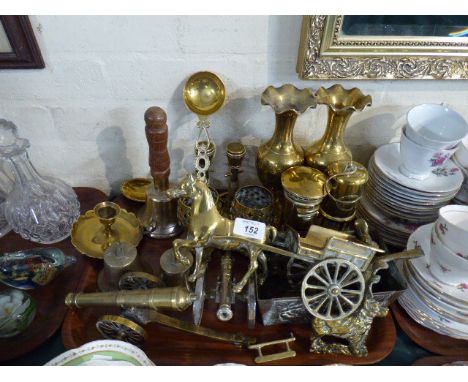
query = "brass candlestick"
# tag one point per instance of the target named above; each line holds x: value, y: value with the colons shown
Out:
x: 235, y: 153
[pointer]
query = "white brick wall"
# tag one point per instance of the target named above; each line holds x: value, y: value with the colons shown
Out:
x: 84, y: 113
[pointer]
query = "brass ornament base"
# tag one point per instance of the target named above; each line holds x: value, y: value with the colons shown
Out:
x: 135, y: 189
x: 353, y: 329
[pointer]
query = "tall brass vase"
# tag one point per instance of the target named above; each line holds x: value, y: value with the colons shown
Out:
x: 280, y: 152
x: 342, y: 103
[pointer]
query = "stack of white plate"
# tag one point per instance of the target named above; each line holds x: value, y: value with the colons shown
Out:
x: 438, y: 306
x: 395, y: 205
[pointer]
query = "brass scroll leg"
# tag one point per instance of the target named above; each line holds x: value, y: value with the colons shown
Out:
x: 200, y: 265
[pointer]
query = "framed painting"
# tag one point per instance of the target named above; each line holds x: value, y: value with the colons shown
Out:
x: 18, y: 45
x: 383, y: 47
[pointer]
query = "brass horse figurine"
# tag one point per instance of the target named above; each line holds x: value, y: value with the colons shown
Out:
x: 209, y: 229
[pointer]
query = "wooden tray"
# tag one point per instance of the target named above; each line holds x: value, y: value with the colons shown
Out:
x: 426, y: 338
x: 440, y: 360
x: 51, y: 309
x: 166, y: 346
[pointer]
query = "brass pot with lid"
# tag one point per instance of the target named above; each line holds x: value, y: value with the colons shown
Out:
x: 344, y: 188
x: 304, y: 190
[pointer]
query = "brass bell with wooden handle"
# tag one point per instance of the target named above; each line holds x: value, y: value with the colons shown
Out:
x: 159, y: 215
x: 176, y: 298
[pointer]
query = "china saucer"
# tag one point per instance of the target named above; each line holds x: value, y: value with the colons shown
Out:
x: 399, y: 225
x: 403, y: 211
x: 421, y: 238
x: 386, y: 181
x: 404, y: 194
x: 447, y: 178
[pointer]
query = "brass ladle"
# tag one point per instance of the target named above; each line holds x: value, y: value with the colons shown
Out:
x: 204, y: 94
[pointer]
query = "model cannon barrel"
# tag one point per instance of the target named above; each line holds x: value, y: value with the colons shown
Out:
x: 176, y: 298
x: 224, y: 312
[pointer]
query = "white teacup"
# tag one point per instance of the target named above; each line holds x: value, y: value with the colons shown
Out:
x: 445, y: 265
x: 462, y: 154
x: 436, y: 126
x: 418, y: 161
x: 452, y: 229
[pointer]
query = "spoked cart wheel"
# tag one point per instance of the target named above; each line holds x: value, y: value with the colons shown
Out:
x: 333, y: 289
x: 119, y: 328
x: 139, y: 280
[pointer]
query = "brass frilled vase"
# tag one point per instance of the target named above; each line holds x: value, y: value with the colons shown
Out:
x: 281, y: 152
x: 342, y: 103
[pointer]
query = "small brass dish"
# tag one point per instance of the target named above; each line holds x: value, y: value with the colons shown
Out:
x: 204, y: 93
x: 135, y: 189
x: 98, y: 229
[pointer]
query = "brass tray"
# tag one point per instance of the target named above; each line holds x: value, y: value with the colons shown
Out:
x: 167, y: 346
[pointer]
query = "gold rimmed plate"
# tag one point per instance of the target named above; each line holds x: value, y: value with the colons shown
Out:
x: 135, y: 189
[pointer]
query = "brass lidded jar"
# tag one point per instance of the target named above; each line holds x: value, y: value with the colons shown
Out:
x: 281, y: 152
x: 342, y: 103
x: 344, y: 188
x: 304, y: 190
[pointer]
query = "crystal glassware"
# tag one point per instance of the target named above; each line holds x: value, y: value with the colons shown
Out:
x: 39, y: 208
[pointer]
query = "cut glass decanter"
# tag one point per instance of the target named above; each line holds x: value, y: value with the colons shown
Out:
x: 39, y: 208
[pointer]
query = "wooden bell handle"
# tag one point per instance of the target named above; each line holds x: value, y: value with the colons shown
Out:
x: 157, y: 133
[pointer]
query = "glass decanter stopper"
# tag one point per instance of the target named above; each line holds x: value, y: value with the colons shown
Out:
x: 39, y: 208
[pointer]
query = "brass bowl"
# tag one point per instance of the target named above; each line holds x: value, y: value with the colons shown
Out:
x: 254, y: 203
x: 135, y: 189
x: 204, y: 93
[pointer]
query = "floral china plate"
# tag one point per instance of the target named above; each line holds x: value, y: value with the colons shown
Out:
x: 443, y: 179
x: 434, y: 300
x: 399, y: 225
x: 103, y: 353
x: 421, y: 238
x: 425, y: 316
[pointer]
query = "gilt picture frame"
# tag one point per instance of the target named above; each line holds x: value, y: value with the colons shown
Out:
x: 324, y: 54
